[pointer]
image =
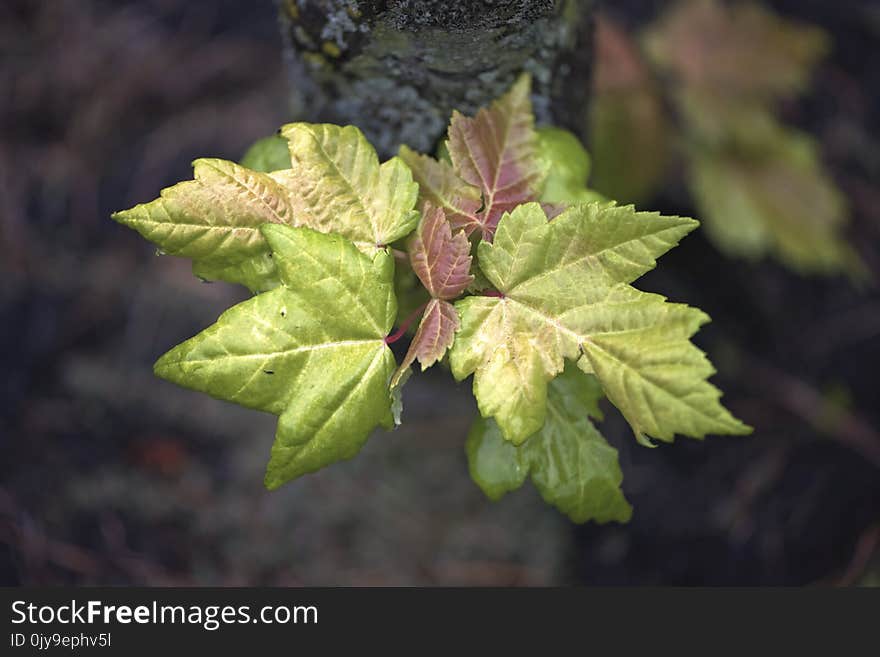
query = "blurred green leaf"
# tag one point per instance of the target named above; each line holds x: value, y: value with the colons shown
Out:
x: 267, y: 154
x: 759, y: 186
x: 630, y: 134
x: 779, y: 201
x: 740, y: 51
x: 568, y: 167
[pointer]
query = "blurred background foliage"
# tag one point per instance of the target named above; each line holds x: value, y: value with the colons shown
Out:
x: 109, y: 475
x: 698, y: 91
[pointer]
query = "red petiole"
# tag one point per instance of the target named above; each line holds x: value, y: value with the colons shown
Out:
x: 405, y: 324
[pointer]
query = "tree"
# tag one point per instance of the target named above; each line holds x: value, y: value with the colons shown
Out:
x: 397, y: 69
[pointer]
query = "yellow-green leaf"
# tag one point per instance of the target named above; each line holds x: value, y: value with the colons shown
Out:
x: 564, y: 293
x: 215, y: 221
x: 341, y: 188
x: 311, y: 351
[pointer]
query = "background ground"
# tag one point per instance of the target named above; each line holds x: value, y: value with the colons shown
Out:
x: 108, y: 475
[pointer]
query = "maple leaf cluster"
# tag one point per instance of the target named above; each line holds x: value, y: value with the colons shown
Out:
x: 526, y: 275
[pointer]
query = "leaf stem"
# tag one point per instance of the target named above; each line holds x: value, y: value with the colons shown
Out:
x: 492, y: 293
x: 405, y: 324
x: 400, y: 256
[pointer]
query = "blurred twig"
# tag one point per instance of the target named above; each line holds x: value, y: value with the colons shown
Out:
x: 865, y: 549
x: 807, y: 403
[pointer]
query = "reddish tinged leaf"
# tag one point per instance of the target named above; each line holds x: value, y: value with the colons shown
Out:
x: 440, y: 260
x: 497, y: 151
x: 435, y: 335
x: 440, y: 186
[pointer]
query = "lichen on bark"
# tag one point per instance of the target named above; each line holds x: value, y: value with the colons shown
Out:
x: 397, y: 68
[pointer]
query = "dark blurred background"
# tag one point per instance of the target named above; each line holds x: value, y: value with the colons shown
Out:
x: 111, y: 476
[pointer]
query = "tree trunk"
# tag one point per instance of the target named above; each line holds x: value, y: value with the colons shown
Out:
x: 397, y: 68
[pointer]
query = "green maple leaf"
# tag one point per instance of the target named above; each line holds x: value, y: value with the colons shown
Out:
x: 569, y: 461
x: 340, y: 187
x: 215, y: 221
x: 335, y: 184
x: 564, y: 293
x: 311, y: 351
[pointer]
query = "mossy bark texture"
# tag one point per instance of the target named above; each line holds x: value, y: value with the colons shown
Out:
x: 397, y: 68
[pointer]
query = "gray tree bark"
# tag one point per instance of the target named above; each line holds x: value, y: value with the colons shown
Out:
x: 397, y: 68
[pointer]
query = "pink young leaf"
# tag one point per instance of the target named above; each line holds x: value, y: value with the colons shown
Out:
x: 440, y: 260
x: 497, y: 151
x: 440, y: 186
x: 435, y: 335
